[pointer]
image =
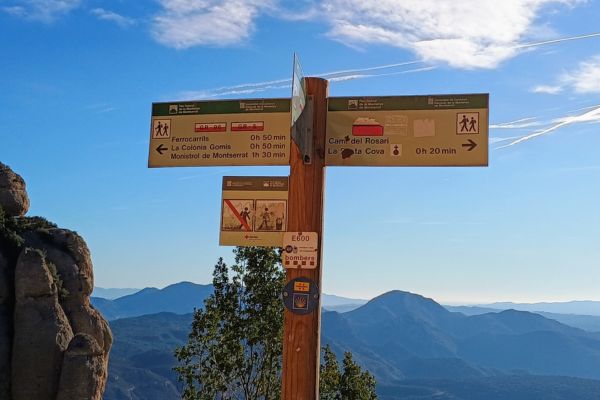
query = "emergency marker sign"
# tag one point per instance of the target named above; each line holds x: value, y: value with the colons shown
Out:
x: 300, y: 250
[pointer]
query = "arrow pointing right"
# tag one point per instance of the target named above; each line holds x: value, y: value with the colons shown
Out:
x: 471, y: 145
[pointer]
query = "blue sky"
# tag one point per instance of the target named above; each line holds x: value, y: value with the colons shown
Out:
x: 79, y: 77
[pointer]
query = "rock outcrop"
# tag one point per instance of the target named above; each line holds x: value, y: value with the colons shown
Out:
x: 13, y: 196
x: 53, y: 344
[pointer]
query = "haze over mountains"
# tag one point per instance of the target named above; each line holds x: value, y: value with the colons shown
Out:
x: 112, y: 293
x: 183, y: 297
x: 416, y: 348
x: 180, y: 298
x: 585, y: 307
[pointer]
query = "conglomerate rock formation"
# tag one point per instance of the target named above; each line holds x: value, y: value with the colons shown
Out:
x: 53, y: 344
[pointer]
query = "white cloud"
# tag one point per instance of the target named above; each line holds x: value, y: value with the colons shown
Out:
x: 111, y: 16
x: 41, y: 10
x: 187, y: 23
x: 464, y: 34
x: 547, y: 89
x: 586, y: 78
x: 16, y: 11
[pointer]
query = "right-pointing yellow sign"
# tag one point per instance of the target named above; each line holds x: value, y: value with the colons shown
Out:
x: 436, y: 130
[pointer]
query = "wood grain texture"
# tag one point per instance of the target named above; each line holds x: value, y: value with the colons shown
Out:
x: 301, y: 343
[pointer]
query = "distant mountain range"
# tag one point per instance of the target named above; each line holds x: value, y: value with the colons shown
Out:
x: 415, y: 347
x: 590, y: 323
x: 570, y: 307
x: 111, y: 293
x: 400, y: 335
x: 181, y: 298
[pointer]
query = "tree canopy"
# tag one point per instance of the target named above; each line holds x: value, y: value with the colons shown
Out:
x: 234, y: 349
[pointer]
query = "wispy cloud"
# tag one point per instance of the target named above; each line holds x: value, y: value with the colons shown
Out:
x: 367, y: 69
x: 547, y: 89
x: 186, y: 23
x: 111, y: 16
x: 494, y: 140
x: 586, y: 78
x: 590, y: 116
x: 362, y: 76
x: 16, y: 11
x: 559, y: 40
x: 463, y: 34
x: 298, y: 10
x: 518, y: 124
x: 40, y: 10
x: 333, y: 76
x: 100, y: 108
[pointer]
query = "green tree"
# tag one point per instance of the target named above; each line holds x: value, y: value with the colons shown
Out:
x: 234, y: 350
x: 356, y: 384
x: 235, y: 346
x: 351, y: 383
x: 329, y: 376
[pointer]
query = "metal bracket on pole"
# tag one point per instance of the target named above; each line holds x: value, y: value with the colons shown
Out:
x: 302, y: 131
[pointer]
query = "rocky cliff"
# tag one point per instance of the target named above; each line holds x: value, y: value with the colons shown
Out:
x: 53, y: 344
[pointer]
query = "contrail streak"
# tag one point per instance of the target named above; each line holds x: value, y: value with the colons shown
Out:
x: 342, y: 75
x: 360, y: 76
x: 518, y: 124
x: 494, y: 140
x: 593, y: 115
x: 354, y: 71
x: 349, y: 74
x: 559, y: 40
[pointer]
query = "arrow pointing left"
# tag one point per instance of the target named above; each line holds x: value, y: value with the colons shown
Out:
x: 161, y: 148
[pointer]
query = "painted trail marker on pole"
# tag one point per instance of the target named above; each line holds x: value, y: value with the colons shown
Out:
x: 218, y: 133
x: 410, y: 131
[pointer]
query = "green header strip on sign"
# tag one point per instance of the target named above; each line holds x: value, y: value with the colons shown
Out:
x: 391, y: 103
x: 255, y: 183
x: 244, y: 106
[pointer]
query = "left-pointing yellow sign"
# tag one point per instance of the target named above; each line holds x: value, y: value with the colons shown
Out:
x: 217, y: 133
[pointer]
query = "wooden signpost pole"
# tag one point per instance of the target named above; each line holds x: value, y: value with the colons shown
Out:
x: 301, y: 343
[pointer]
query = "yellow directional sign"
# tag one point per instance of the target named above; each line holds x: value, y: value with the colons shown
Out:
x: 217, y: 133
x: 437, y: 130
x: 254, y: 211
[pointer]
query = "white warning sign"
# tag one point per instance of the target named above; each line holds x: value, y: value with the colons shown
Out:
x: 300, y: 250
x: 253, y: 211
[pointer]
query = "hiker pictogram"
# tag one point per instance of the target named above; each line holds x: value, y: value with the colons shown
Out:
x: 161, y: 129
x: 238, y: 215
x: 467, y: 123
x: 271, y: 215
